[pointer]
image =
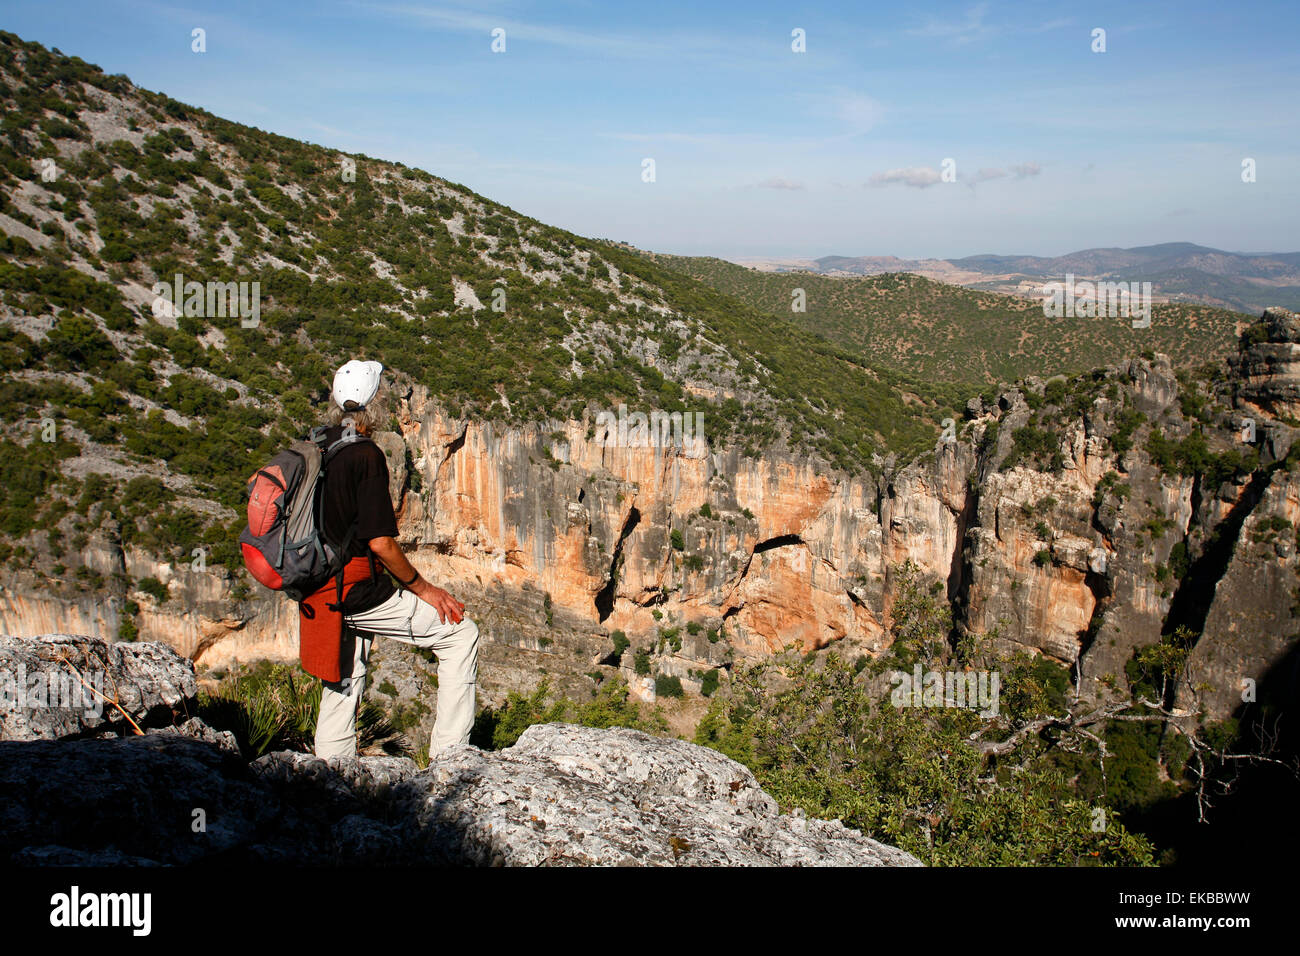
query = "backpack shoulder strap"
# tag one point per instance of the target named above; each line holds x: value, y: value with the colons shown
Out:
x: 328, y: 451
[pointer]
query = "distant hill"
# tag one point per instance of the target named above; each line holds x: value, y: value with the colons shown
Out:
x: 1178, y: 272
x: 940, y: 333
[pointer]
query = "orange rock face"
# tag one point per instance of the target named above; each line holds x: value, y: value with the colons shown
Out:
x: 561, y: 512
x: 784, y: 552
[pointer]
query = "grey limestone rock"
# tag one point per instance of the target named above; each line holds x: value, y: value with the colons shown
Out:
x: 55, y: 685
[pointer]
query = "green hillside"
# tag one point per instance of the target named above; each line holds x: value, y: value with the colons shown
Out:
x: 940, y: 332
x: 108, y: 189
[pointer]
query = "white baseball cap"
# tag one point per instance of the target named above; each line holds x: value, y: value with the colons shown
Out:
x: 356, y: 383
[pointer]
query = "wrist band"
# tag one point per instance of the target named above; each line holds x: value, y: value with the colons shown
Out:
x: 407, y: 584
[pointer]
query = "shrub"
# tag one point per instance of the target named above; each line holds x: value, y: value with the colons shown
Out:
x: 152, y: 586
x: 274, y: 707
x: 668, y: 686
x: 673, y: 636
x: 77, y: 341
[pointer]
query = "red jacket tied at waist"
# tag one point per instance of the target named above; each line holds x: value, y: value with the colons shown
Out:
x: 320, y: 630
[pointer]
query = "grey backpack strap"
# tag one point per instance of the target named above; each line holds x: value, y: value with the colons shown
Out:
x: 328, y: 451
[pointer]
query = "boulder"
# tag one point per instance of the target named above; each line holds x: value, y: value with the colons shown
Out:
x: 575, y: 796
x: 63, y: 685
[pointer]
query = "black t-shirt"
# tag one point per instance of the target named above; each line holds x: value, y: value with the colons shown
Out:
x: 356, y: 490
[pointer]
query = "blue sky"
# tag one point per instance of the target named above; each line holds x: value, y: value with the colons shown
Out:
x: 761, y: 151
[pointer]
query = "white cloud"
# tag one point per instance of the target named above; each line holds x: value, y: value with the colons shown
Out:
x: 778, y: 183
x: 1025, y: 170
x: 918, y: 176
x: 1058, y: 24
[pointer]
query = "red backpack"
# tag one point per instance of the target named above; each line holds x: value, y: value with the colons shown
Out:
x: 282, y: 545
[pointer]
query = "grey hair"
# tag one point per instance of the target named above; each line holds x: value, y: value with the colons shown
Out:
x: 367, y: 420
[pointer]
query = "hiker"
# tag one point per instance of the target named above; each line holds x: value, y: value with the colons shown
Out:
x: 336, y: 646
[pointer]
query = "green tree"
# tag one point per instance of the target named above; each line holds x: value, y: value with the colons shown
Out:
x: 77, y: 341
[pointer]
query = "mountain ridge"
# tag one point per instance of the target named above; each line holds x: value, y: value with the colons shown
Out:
x: 1178, y: 271
x: 931, y: 330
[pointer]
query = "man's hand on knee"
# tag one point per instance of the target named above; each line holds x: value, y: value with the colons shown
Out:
x: 447, y: 606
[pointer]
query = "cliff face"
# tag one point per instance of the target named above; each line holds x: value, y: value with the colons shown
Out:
x: 595, y: 531
x: 1082, y: 545
x: 1270, y: 367
x: 1084, y: 560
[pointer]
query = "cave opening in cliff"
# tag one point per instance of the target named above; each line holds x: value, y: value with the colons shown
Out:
x: 605, y: 599
x: 780, y: 541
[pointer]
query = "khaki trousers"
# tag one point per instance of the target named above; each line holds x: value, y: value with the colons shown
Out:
x: 405, y: 618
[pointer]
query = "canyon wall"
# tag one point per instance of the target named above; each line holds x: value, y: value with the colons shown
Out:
x: 555, y: 538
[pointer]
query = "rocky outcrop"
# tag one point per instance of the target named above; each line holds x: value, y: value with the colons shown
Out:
x: 63, y: 685
x: 1269, y: 366
x: 569, y: 795
x: 1250, y: 630
x: 562, y: 795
